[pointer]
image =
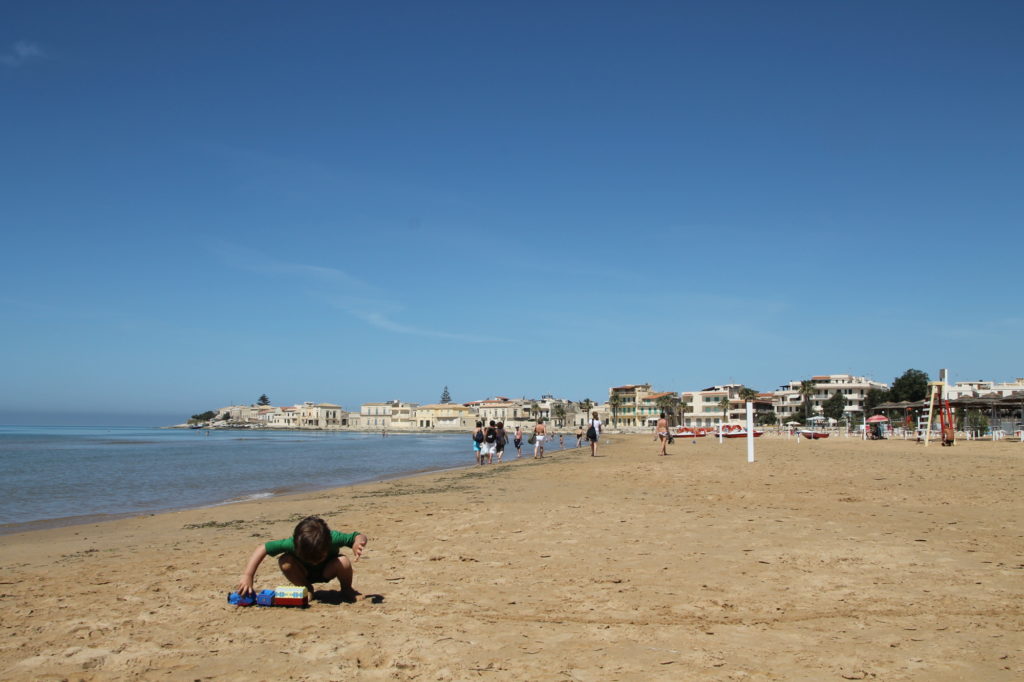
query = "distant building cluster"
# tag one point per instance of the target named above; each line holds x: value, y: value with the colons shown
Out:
x: 629, y: 407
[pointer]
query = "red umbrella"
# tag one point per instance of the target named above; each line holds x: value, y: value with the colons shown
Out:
x: 877, y: 418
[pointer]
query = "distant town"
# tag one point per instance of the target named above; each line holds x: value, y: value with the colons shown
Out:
x: 835, y: 398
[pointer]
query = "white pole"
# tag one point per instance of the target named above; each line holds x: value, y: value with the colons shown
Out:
x: 720, y: 441
x: 750, y: 431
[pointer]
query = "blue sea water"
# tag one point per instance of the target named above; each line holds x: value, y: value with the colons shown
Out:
x: 64, y: 475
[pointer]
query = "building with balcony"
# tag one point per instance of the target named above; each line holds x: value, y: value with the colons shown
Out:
x: 706, y: 408
x: 789, y: 403
x: 977, y: 388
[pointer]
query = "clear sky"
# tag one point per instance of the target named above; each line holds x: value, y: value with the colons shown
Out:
x: 340, y: 201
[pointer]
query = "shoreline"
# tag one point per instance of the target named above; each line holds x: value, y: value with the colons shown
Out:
x: 92, y: 519
x: 827, y: 560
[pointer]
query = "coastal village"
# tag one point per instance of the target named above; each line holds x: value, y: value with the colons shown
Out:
x: 627, y: 408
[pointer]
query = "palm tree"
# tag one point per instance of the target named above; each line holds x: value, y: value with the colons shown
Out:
x: 614, y: 402
x: 667, y: 404
x: 748, y: 394
x: 586, y: 404
x: 806, y: 390
x: 724, y: 406
x: 559, y: 413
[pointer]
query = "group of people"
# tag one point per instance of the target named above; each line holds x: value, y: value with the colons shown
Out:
x: 489, y: 440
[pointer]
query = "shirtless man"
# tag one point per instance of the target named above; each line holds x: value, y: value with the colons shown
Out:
x: 662, y: 429
x: 540, y: 432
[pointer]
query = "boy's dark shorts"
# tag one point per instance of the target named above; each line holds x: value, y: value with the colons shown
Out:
x: 314, y: 572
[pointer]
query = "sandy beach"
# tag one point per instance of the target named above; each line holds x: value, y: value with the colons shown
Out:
x: 837, y: 559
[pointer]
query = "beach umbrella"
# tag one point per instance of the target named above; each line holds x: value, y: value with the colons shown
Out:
x: 792, y: 423
x: 877, y: 418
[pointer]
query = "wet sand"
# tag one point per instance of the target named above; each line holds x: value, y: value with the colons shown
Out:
x: 837, y: 559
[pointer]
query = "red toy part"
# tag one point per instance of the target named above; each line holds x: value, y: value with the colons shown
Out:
x: 287, y: 601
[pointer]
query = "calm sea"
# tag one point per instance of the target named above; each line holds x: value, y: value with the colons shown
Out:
x: 64, y: 475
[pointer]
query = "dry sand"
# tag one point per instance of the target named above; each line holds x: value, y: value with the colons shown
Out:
x: 830, y: 560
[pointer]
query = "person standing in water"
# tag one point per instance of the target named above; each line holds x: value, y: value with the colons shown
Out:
x: 539, y: 433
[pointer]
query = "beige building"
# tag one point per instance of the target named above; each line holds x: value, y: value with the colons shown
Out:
x: 445, y: 416
x: 282, y: 418
x: 636, y: 405
x: 322, y: 416
x: 403, y: 416
x: 511, y: 412
x: 623, y: 402
x: 375, y: 416
x: 705, y: 407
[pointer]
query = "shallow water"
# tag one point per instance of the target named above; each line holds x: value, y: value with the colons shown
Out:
x: 70, y: 474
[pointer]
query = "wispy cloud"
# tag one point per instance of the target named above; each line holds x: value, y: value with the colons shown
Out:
x: 341, y: 291
x: 20, y: 53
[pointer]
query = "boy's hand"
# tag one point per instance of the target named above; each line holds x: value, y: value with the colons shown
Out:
x: 245, y: 585
x: 358, y: 546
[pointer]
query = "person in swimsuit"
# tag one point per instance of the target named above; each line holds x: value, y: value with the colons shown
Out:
x: 518, y: 442
x: 579, y: 436
x: 539, y: 432
x: 478, y: 439
x: 662, y: 429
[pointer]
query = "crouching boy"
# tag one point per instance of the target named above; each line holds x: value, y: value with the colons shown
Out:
x: 310, y: 556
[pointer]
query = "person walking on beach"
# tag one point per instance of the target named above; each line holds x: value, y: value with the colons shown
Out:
x: 490, y: 441
x: 478, y: 441
x: 518, y: 442
x: 539, y: 433
x: 662, y: 431
x: 579, y: 436
x: 499, y: 444
x: 593, y: 433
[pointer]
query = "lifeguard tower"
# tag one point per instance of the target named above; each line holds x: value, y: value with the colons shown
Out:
x: 937, y: 399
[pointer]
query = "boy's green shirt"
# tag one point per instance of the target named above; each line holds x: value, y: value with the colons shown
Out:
x: 338, y: 539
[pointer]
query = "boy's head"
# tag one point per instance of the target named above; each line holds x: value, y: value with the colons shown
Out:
x: 312, y: 539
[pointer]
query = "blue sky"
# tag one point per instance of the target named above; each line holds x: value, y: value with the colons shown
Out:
x: 352, y: 202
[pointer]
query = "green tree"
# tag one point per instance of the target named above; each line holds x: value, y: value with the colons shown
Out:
x: 975, y: 420
x: 558, y: 411
x: 204, y: 417
x: 806, y: 390
x: 615, y: 402
x: 585, y: 405
x: 912, y: 385
x: 768, y: 418
x: 263, y: 400
x: 669, y: 405
x: 445, y: 396
x: 834, y: 407
x: 748, y: 394
x: 874, y: 396
x: 724, y: 406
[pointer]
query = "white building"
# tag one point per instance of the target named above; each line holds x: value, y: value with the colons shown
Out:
x: 970, y: 388
x: 788, y: 403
